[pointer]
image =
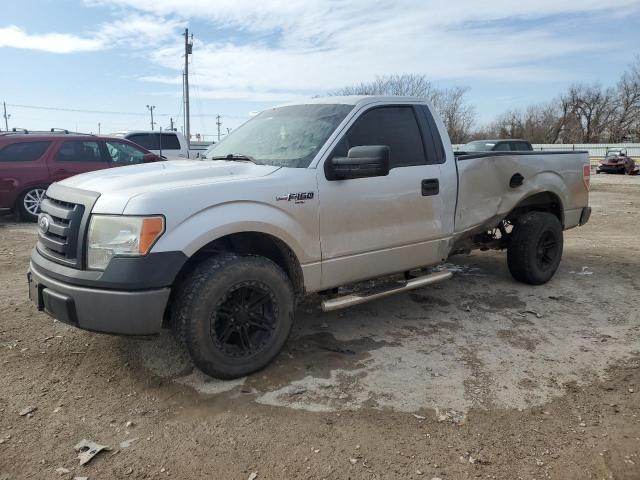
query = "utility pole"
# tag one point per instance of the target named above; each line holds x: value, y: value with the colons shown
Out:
x: 151, y: 108
x: 98, y: 128
x: 188, y: 49
x: 6, y: 117
x: 171, y: 121
x: 219, y: 124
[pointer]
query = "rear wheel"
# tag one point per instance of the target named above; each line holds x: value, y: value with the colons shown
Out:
x: 234, y: 314
x: 535, y: 248
x: 29, y: 203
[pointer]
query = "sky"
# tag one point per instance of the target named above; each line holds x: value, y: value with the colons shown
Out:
x: 115, y: 57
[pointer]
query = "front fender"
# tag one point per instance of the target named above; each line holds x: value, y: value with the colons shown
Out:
x: 299, y: 232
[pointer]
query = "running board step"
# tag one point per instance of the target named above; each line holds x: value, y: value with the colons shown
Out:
x: 358, y: 298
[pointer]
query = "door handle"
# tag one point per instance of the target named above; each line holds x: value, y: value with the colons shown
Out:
x: 430, y: 186
x: 516, y: 180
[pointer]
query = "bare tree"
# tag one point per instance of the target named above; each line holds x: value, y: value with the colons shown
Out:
x: 406, y: 84
x: 541, y: 123
x: 457, y: 115
x: 581, y: 114
x: 626, y: 124
x: 593, y: 108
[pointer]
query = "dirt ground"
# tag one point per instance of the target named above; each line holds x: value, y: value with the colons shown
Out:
x: 478, y: 377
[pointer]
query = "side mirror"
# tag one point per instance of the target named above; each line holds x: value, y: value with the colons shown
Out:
x: 150, y: 157
x: 361, y: 162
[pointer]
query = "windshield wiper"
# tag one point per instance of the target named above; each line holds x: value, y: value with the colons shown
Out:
x: 235, y: 156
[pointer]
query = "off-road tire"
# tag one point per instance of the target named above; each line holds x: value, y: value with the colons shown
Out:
x: 203, y: 294
x: 531, y: 257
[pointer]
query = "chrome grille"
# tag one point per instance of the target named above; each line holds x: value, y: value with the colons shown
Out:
x: 58, y: 230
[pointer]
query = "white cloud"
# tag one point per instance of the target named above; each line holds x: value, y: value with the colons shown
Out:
x: 13, y: 36
x: 139, y: 31
x: 283, y: 49
x: 319, y: 45
x: 134, y: 30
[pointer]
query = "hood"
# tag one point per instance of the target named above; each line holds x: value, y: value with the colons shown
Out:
x: 162, y: 175
x: 117, y: 185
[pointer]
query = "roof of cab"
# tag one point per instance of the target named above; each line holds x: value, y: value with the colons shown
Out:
x: 355, y: 100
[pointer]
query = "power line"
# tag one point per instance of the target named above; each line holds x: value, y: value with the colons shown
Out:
x: 106, y: 112
x: 77, y: 110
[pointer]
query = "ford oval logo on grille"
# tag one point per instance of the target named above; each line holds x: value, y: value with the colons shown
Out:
x: 43, y: 224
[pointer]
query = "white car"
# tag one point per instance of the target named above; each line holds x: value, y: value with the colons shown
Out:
x: 171, y: 145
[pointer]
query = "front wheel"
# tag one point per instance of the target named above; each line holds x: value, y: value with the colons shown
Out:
x: 535, y: 248
x: 29, y: 203
x: 234, y: 314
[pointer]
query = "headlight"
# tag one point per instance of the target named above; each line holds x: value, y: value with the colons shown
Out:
x: 112, y: 235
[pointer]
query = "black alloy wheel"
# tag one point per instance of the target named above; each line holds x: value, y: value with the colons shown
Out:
x: 245, y: 319
x: 547, y: 250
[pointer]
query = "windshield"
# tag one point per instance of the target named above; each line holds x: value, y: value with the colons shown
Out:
x: 284, y: 137
x: 615, y: 153
x: 477, y: 147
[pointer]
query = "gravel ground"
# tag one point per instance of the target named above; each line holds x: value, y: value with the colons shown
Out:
x: 475, y: 377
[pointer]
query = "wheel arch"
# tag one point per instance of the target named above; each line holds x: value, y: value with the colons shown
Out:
x: 25, y: 188
x: 245, y: 243
x: 545, y: 201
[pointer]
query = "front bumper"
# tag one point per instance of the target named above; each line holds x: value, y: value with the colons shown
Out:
x: 99, y: 310
x: 611, y: 168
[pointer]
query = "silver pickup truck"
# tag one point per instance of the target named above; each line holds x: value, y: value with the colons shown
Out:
x: 303, y: 198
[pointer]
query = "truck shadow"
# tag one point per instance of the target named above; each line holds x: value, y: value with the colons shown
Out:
x: 322, y: 342
x: 478, y: 339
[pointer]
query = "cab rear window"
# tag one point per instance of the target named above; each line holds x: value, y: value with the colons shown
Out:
x: 155, y: 141
x: 23, y: 151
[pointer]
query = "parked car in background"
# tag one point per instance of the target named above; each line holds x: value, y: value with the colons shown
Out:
x: 171, y: 145
x: 616, y: 160
x: 30, y: 162
x: 510, y: 145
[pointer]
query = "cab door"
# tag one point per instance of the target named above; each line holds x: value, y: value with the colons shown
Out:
x: 379, y: 225
x: 77, y: 156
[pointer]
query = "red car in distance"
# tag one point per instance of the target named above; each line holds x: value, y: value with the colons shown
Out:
x: 31, y: 161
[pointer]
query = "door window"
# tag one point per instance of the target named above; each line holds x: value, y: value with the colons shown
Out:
x: 521, y: 147
x: 395, y: 127
x: 76, y: 151
x: 154, y: 141
x: 124, y: 154
x: 502, y: 147
x: 169, y: 141
x: 432, y: 140
x: 23, y: 151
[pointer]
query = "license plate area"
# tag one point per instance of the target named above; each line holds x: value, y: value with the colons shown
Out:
x: 35, y: 292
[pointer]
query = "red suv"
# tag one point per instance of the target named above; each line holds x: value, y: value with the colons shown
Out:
x: 30, y: 162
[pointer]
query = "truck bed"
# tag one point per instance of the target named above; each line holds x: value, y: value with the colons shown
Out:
x: 485, y: 196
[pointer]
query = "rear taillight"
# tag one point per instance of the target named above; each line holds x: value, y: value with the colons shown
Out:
x: 586, y: 175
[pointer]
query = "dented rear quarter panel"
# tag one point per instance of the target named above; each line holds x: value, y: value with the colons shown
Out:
x: 485, y: 197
